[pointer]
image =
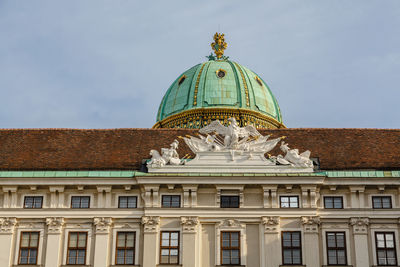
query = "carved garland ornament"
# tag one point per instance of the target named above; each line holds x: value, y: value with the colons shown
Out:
x: 150, y: 223
x: 7, y: 224
x: 54, y: 224
x: 360, y: 225
x: 231, y: 223
x: 271, y: 224
x: 311, y: 223
x: 189, y: 224
x: 102, y: 224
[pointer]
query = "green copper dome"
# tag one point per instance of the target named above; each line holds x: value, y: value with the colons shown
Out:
x: 214, y: 87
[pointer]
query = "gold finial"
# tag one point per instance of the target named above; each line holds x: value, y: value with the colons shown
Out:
x: 219, y: 44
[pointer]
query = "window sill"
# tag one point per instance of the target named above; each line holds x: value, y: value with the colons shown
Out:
x: 338, y: 265
x: 124, y: 265
x: 169, y: 265
x: 74, y: 265
x: 27, y: 265
x: 230, y: 265
x: 292, y: 265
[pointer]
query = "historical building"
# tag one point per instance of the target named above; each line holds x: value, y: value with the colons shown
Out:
x: 224, y: 184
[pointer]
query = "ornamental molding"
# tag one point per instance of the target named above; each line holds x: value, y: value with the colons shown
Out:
x: 231, y: 224
x: 7, y: 225
x: 311, y: 223
x: 360, y: 225
x: 189, y: 224
x: 55, y: 225
x: 102, y: 224
x: 271, y: 224
x: 150, y: 224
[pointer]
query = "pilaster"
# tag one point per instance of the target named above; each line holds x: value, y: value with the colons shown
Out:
x: 7, y: 225
x: 272, y: 246
x: 311, y: 240
x: 102, y: 229
x: 56, y: 202
x: 151, y: 225
x: 53, y: 247
x: 10, y: 196
x: 360, y: 234
x: 190, y: 244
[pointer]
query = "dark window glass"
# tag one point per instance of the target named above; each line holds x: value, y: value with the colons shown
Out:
x: 169, y: 247
x: 336, y: 248
x: 385, y: 249
x: 125, y: 248
x: 80, y: 202
x: 171, y: 201
x: 289, y: 201
x: 127, y: 202
x: 291, y: 248
x: 33, y: 202
x: 28, y: 248
x: 77, y: 242
x: 333, y: 202
x: 229, y: 201
x: 230, y: 248
x: 384, y: 202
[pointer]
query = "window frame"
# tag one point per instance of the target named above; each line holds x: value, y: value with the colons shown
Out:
x: 77, y: 248
x: 230, y: 196
x: 127, y: 196
x: 300, y: 247
x: 170, y: 247
x: 33, y: 202
x: 230, y: 248
x: 80, y: 202
x: 171, y: 195
x: 381, y: 197
x: 29, y: 247
x: 289, y: 196
x: 336, y: 248
x: 333, y: 202
x: 385, y: 249
x: 125, y: 248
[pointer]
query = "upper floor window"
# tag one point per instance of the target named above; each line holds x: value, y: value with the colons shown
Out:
x: 336, y: 248
x: 28, y: 248
x: 169, y: 247
x: 33, y: 202
x: 291, y: 248
x: 125, y: 248
x: 230, y: 248
x: 382, y: 202
x: 229, y: 201
x: 385, y: 249
x: 80, y: 202
x: 77, y: 244
x: 333, y: 202
x: 171, y: 201
x: 127, y: 202
x: 289, y: 201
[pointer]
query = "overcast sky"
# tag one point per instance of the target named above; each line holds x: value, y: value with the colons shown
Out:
x: 107, y: 64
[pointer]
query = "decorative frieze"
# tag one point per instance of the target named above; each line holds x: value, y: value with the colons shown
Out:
x: 7, y: 225
x: 189, y: 224
x: 311, y: 223
x: 271, y: 224
x: 231, y: 223
x: 360, y: 225
x: 55, y: 225
x: 150, y: 224
x: 102, y: 224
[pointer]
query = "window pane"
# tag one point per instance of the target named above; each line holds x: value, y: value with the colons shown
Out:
x: 85, y: 202
x: 82, y: 240
x: 166, y: 200
x: 296, y: 239
x: 294, y: 202
x: 175, y: 202
x: 173, y: 259
x: 284, y: 202
x: 225, y: 239
x: 32, y: 256
x: 75, y: 202
x: 225, y: 202
x: 73, y: 238
x: 386, y: 202
x: 331, y: 240
x: 174, y: 236
x: 132, y: 202
x: 235, y: 257
x: 24, y: 256
x: 164, y: 259
x: 38, y: 202
x: 296, y: 256
x: 123, y: 202
x: 338, y: 203
x: 81, y: 257
x: 226, y: 257
x: 130, y: 240
x: 34, y: 240
x: 376, y: 202
x: 165, y: 252
x: 340, y: 240
x: 234, y: 239
x: 129, y: 256
x: 174, y: 242
x: 121, y: 240
x: 120, y: 256
x: 328, y: 202
x: 25, y: 240
x: 332, y: 257
x: 391, y: 257
x: 287, y: 256
x: 341, y: 257
x: 71, y: 256
x: 28, y: 202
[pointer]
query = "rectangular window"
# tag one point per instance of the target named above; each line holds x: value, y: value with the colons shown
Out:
x: 289, y: 201
x: 384, y: 202
x: 127, y: 202
x: 169, y: 247
x: 230, y: 248
x: 336, y: 248
x: 28, y: 248
x: 33, y: 202
x: 291, y: 248
x: 171, y: 201
x: 125, y: 248
x: 77, y: 243
x: 80, y: 202
x: 333, y: 202
x: 385, y: 248
x: 229, y: 201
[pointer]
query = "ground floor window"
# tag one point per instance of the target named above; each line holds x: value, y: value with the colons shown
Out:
x: 77, y: 244
x: 230, y: 248
x: 169, y: 247
x: 28, y: 248
x: 291, y: 248
x: 385, y: 248
x: 125, y: 248
x: 336, y: 248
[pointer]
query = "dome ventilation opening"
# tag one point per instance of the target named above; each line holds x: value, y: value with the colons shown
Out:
x: 181, y: 79
x: 221, y: 73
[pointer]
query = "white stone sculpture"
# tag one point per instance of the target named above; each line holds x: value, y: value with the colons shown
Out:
x: 293, y: 158
x: 168, y: 156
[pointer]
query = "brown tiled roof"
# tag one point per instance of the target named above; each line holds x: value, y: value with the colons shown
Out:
x: 70, y: 149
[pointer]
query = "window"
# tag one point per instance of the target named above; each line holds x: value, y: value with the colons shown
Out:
x: 78, y: 202
x: 28, y: 248
x: 230, y: 248
x: 77, y: 242
x: 289, y: 201
x: 333, y: 202
x: 336, y: 248
x: 291, y: 248
x: 33, y: 202
x: 169, y: 247
x: 384, y: 202
x: 125, y: 248
x: 385, y: 249
x: 170, y: 201
x: 127, y: 202
x: 229, y: 201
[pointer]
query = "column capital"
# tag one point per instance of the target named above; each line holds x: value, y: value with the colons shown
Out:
x: 360, y: 225
x: 55, y: 224
x: 7, y: 225
x: 189, y: 224
x: 102, y: 224
x: 271, y: 224
x: 150, y: 224
x: 311, y: 223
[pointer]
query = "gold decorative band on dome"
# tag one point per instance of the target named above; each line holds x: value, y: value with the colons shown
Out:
x: 246, y: 90
x: 196, y: 88
x: 200, y: 117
